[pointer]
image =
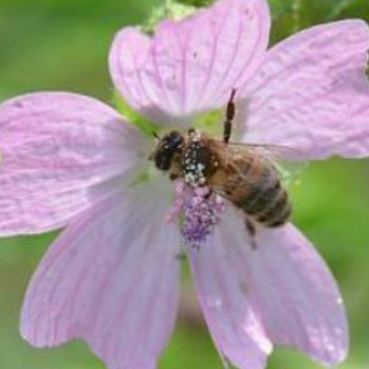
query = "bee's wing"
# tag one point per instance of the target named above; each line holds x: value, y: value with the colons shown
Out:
x: 284, y: 159
x: 275, y: 153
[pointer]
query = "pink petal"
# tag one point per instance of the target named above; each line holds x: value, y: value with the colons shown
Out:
x: 300, y: 301
x: 293, y: 289
x: 57, y: 152
x: 312, y: 93
x: 230, y: 311
x: 112, y: 279
x: 191, y: 65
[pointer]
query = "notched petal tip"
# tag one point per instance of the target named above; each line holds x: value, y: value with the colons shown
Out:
x: 190, y: 66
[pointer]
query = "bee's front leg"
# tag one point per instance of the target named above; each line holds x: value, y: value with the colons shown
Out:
x: 174, y: 176
x: 175, y: 170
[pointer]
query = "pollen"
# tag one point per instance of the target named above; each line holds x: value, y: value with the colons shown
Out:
x: 194, y: 170
x: 198, y: 210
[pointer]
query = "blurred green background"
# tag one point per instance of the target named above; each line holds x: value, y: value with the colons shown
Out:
x: 63, y: 45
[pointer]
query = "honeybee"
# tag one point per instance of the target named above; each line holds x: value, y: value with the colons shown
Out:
x: 243, y: 174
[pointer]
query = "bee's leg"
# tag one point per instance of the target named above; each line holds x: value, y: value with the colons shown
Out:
x: 175, y: 171
x: 208, y: 195
x: 251, y: 228
x: 173, y: 176
x: 230, y: 113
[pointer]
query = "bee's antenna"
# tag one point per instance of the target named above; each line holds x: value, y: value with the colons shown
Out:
x: 233, y: 94
x: 230, y: 113
x: 156, y: 136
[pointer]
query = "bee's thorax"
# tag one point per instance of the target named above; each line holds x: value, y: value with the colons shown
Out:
x: 198, y: 160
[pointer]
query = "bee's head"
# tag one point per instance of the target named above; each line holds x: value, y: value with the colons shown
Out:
x: 166, y: 148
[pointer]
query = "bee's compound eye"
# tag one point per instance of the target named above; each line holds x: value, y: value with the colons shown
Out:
x: 173, y: 140
x: 167, y: 147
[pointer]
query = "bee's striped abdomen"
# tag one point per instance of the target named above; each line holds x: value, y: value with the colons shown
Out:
x: 261, y: 196
x: 278, y: 213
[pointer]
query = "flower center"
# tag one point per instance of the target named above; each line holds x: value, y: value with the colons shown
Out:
x: 198, y: 210
x: 209, y: 121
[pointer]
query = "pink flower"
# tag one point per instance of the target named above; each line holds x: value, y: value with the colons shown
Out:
x: 111, y: 277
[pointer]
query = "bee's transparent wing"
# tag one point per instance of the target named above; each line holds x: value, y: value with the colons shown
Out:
x: 276, y: 153
x: 284, y: 159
